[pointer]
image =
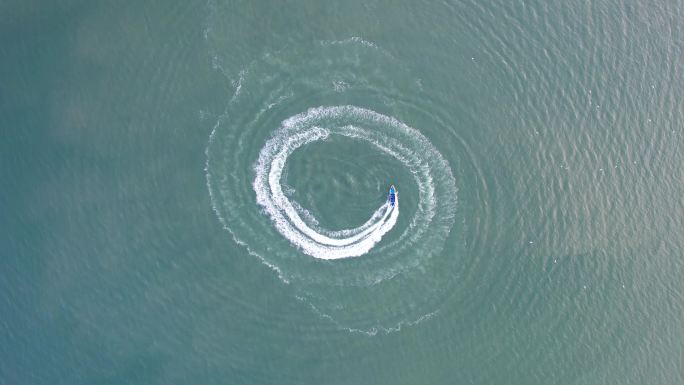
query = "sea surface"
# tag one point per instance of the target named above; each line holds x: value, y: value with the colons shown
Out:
x: 195, y: 192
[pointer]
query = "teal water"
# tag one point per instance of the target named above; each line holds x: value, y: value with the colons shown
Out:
x: 536, y: 148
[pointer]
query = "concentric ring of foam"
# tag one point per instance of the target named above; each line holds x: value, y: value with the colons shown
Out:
x: 413, y: 265
x: 354, y: 122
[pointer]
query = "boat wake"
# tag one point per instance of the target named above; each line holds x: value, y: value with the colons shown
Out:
x: 269, y: 117
x: 294, y: 133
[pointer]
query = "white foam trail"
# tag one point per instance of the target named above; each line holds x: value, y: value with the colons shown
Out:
x: 299, y: 130
x: 286, y: 217
x: 431, y: 219
x: 400, y: 254
x: 216, y: 210
x: 351, y: 40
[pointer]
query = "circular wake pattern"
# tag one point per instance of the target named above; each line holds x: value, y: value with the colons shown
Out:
x: 298, y: 170
x: 387, y: 135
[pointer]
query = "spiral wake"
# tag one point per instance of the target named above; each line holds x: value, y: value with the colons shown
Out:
x: 271, y: 120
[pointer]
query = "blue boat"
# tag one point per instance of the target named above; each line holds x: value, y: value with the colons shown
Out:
x: 392, y: 195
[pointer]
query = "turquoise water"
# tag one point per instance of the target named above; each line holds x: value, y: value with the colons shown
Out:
x: 195, y: 192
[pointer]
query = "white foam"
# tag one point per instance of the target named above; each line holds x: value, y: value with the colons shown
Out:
x: 301, y: 129
x: 264, y: 93
x: 286, y: 218
x: 224, y: 224
x: 351, y: 40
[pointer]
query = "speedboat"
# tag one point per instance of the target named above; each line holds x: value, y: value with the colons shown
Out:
x: 392, y: 198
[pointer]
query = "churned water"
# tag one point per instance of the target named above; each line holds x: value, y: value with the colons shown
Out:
x: 196, y: 192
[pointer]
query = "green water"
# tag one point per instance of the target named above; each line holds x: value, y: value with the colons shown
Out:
x: 536, y: 148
